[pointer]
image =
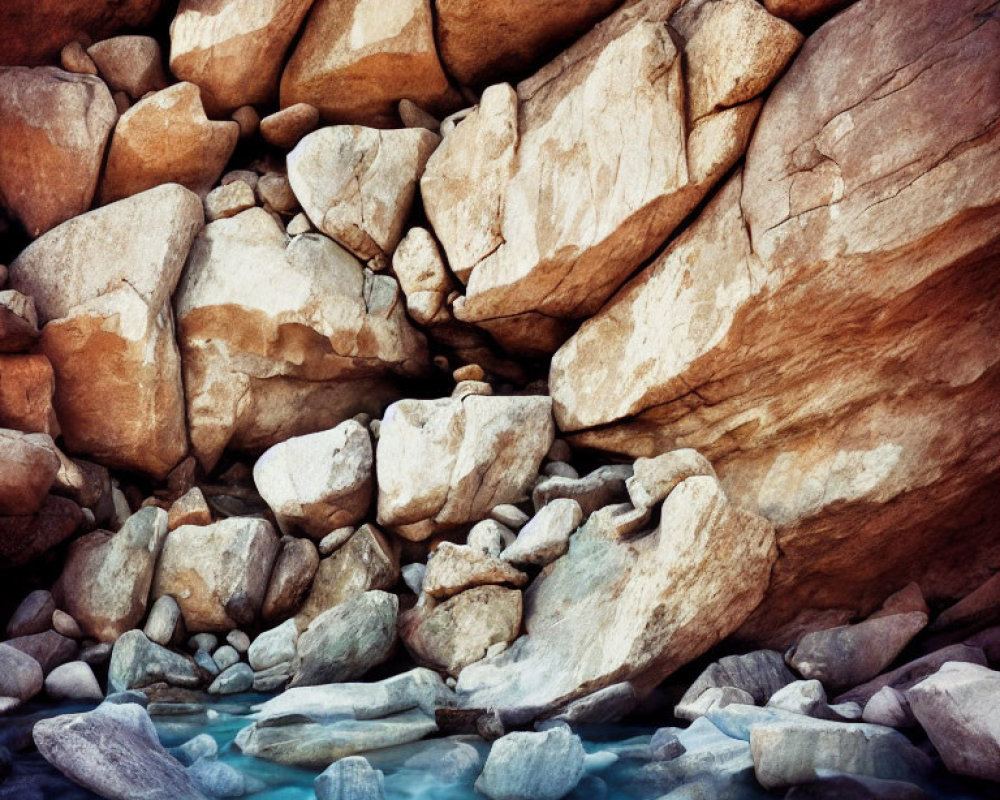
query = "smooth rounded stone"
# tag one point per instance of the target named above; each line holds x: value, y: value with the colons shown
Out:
x: 334, y: 539
x: 602, y: 487
x: 453, y: 568
x: 65, y: 625
x: 50, y: 649
x: 603, y: 707
x: 73, y: 58
x: 114, y: 751
x: 665, y: 746
x: 128, y: 696
x: 560, y: 469
x: 219, y: 779
x: 448, y: 760
x: 201, y: 746
x: 226, y: 656
x: 490, y: 537
x: 533, y: 766
x: 351, y: 778
x: 203, y: 641
x: 546, y: 535
x: 228, y: 200
x: 510, y: 516
x: 274, y: 678
x: 21, y: 675
x: 286, y: 127
x: 889, y: 707
x: 97, y: 655
x: 73, y: 681
x: 793, y: 752
x: 137, y: 662
x: 761, y: 673
x: 855, y: 787
x: 711, y: 699
x: 33, y: 615
x: 161, y: 624
x: 425, y: 280
x: 809, y: 698
x: 27, y: 471
x: 204, y: 660
x: 238, y: 640
x: 319, y: 482
x: 237, y: 678
x: 560, y: 451
x: 273, y: 647
x: 130, y: 64
x: 347, y: 640
x: 292, y: 576
x: 413, y: 577
x: 852, y: 654
x: 654, y: 478
x: 959, y: 708
x: 275, y: 190
x: 799, y: 10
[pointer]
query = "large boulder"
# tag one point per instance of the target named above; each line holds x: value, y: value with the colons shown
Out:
x: 540, y: 766
x: 217, y: 573
x: 443, y: 463
x: 106, y: 578
x: 53, y: 129
x: 609, y: 611
x: 862, y: 231
x: 611, y: 119
x: 354, y: 61
x: 233, y: 51
x: 110, y: 334
x: 28, y: 466
x: 284, y: 338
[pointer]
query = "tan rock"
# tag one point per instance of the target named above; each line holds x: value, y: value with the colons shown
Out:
x: 356, y: 59
x: 281, y: 338
x: 293, y: 573
x: 443, y: 463
x: 834, y: 383
x: 28, y: 467
x: 24, y: 538
x: 191, y: 508
x: 73, y: 58
x: 218, y: 573
x: 248, y: 119
x: 286, y: 127
x: 130, y: 64
x: 413, y: 116
x: 106, y: 579
x: 275, y: 191
x: 453, y: 568
x: 233, y: 49
x: 357, y: 184
x: 18, y: 322
x: 54, y: 126
x: 423, y: 277
x: 607, y: 120
x: 229, y: 200
x: 166, y: 138
x: 800, y: 10
x: 27, y: 385
x: 451, y: 635
x: 484, y: 41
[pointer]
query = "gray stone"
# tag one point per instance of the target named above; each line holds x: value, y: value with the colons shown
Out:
x: 351, y: 778
x: 602, y: 707
x: 49, y: 649
x: 97, y: 655
x: 761, y: 673
x: 201, y: 746
x: 809, y: 698
x: 203, y: 641
x: 238, y: 640
x: 413, y: 577
x: 65, y: 625
x: 535, y: 766
x: 711, y: 699
x: 665, y: 746
x: 73, y: 681
x: 129, y: 696
x: 546, y: 535
x: 448, y: 760
x: 273, y: 647
x: 334, y: 539
x: 855, y: 787
x: 137, y: 662
x: 602, y: 487
x: 34, y: 615
x: 273, y: 678
x: 889, y: 706
x: 238, y: 678
x: 226, y: 656
x: 490, y: 537
x: 736, y: 721
x: 161, y: 625
x: 20, y: 675
x: 509, y: 515
x: 204, y: 660
x: 218, y: 779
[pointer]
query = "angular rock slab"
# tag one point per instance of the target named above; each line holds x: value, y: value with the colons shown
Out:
x: 719, y: 335
x: 442, y: 463
x: 53, y: 129
x: 453, y: 568
x: 608, y: 611
x: 284, y: 338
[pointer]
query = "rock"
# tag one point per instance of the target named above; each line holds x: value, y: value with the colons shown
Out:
x: 235, y: 54
x: 908, y: 599
x: 540, y: 766
x: 292, y: 575
x: 621, y: 521
x: 631, y: 383
x: 354, y: 62
x: 217, y: 573
x: 161, y: 626
x: 73, y: 58
x: 347, y: 640
x: 18, y: 324
x: 225, y: 657
x: 665, y: 746
x: 449, y: 760
x: 20, y: 675
x: 274, y: 646
x: 413, y: 116
x: 114, y: 751
x: 65, y: 625
x: 233, y: 680
x: 490, y: 537
x: 203, y: 641
x: 287, y: 127
x: 106, y: 579
x: 166, y: 138
x: 49, y: 649
x: 760, y: 673
x: 111, y: 340
x: 546, y: 537
x: 219, y: 779
x: 54, y: 126
x: 560, y: 469
x: 809, y: 699
x: 413, y: 576
x: 351, y: 778
x: 602, y: 487
x: 958, y: 707
x: 357, y: 184
x: 33, y: 615
x: 248, y: 119
x: 654, y: 478
x: 603, y: 707
x: 979, y: 608
x: 27, y: 470
x: 423, y: 277
x: 710, y: 700
x: 365, y: 562
x: 27, y: 389
x: 454, y: 568
x: 857, y: 787
x: 322, y: 344
x: 131, y: 696
x: 481, y: 42
x: 464, y: 454
x: 451, y: 635
x: 73, y: 681
x: 647, y: 163
x: 137, y: 662
x: 509, y: 515
x: 298, y: 225
x: 204, y: 660
x: 789, y: 753
x: 799, y: 10
x: 889, y: 706
x: 24, y: 538
x: 608, y: 611
x: 273, y: 679
x: 228, y: 200
x: 87, y: 484
x: 191, y: 508
x: 130, y: 64
x: 846, y: 656
x: 238, y: 640
x: 319, y: 482
x: 275, y: 190
x: 202, y: 746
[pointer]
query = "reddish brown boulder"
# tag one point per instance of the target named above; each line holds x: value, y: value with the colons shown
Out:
x: 25, y: 538
x: 27, y: 386
x: 800, y: 10
x: 18, y: 322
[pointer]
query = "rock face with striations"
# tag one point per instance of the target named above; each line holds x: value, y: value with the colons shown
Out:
x: 876, y: 416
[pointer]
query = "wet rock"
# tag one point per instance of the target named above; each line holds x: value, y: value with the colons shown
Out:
x: 603, y: 707
x: 542, y: 766
x: 546, y: 536
x: 73, y: 681
x: 137, y: 662
x: 219, y: 779
x: 33, y: 615
x: 130, y: 64
x: 351, y: 778
x: 857, y: 787
x: 454, y: 568
x: 292, y: 575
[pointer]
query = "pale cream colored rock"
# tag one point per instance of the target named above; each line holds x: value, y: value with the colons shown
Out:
x: 54, y: 126
x: 286, y: 127
x: 608, y: 612
x: 130, y: 64
x: 166, y: 138
x: 73, y: 58
x: 423, y: 277
x: 443, y: 463
x: 217, y: 573
x: 453, y: 568
x: 28, y: 468
x: 357, y: 184
x: 298, y: 225
x: 546, y: 535
x: 228, y: 200
x: 356, y: 59
x: 234, y: 49
x: 654, y: 478
x: 852, y: 166
x: 281, y: 339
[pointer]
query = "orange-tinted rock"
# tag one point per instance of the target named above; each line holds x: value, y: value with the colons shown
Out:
x: 28, y: 466
x: 26, y: 537
x: 27, y: 385
x: 284, y: 128
x: 53, y: 129
x: 18, y: 322
x: 799, y: 10
x: 130, y: 64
